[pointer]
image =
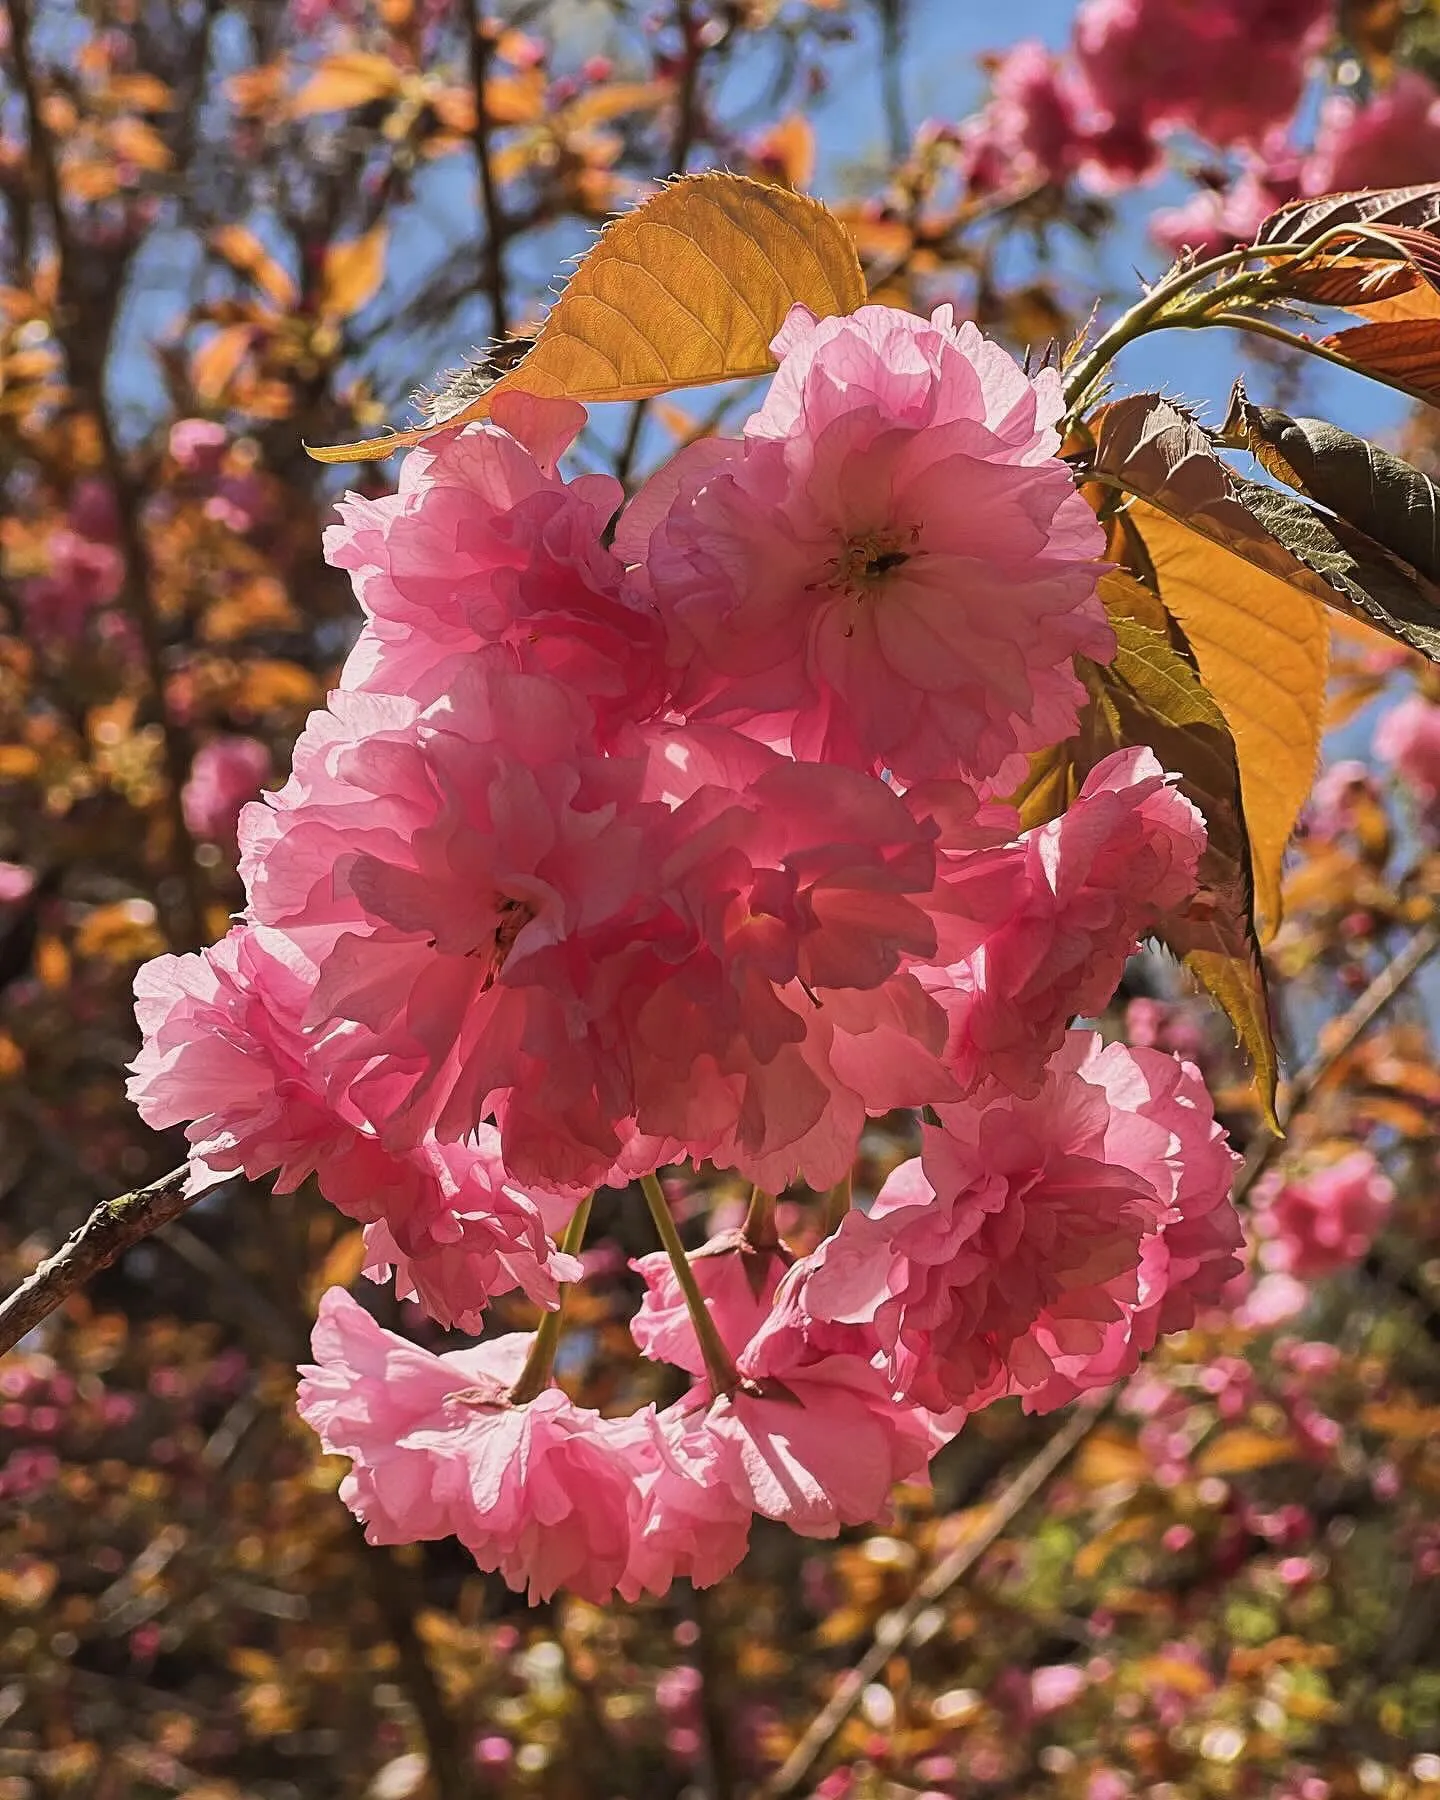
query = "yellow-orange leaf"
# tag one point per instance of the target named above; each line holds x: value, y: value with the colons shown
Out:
x: 352, y: 273
x: 351, y: 78
x: 510, y: 100
x: 1251, y: 610
x: 689, y: 288
x: 341, y: 1263
x: 216, y: 363
x: 790, y: 146
x: 142, y: 92
x: 133, y: 141
x: 1237, y: 1452
x: 244, y: 252
x: 617, y: 101
x: 1262, y: 646
x: 1108, y: 1457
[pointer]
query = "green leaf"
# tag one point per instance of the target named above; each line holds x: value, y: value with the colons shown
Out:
x: 1152, y: 695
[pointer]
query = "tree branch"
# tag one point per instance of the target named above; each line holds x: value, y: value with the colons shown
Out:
x: 482, y: 49
x: 85, y: 353
x: 107, y: 1234
x: 895, y: 1629
x: 395, y: 1592
x: 687, y: 110
x: 1337, y: 1042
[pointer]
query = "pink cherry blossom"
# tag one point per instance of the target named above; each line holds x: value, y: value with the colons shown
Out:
x: 1214, y: 220
x: 789, y: 1018
x: 486, y: 544
x: 17, y: 882
x: 1037, y: 932
x: 540, y: 1492
x: 1326, y: 1220
x: 1162, y: 1125
x: 83, y: 575
x: 1346, y: 790
x: 492, y: 879
x: 1228, y: 70
x: 687, y: 1519
x: 893, y: 566
x: 225, y: 1049
x: 198, y: 446
x: 227, y: 772
x: 1390, y: 140
x: 1408, y: 740
x: 1031, y: 127
x: 737, y: 1279
x: 1007, y: 1255
x: 471, y: 1232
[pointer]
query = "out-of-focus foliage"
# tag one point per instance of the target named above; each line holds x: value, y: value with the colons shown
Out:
x: 233, y: 229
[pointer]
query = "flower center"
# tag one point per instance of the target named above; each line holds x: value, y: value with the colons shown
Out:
x: 867, y: 559
x: 511, y: 918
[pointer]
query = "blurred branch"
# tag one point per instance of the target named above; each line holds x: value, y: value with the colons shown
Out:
x: 892, y: 90
x: 714, y: 1710
x: 893, y: 1631
x: 393, y: 1589
x: 482, y: 49
x: 107, y: 1234
x: 691, y: 51
x: 85, y: 353
x: 1337, y: 1042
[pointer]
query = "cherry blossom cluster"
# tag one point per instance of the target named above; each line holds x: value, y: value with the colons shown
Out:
x: 1230, y: 75
x: 675, y: 832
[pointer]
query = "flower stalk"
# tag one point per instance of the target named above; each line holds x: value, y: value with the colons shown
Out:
x: 719, y: 1365
x: 540, y: 1363
x: 759, y: 1228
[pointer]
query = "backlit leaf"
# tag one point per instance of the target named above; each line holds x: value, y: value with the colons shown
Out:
x: 1377, y: 243
x: 349, y: 78
x: 689, y: 288
x: 1403, y: 352
x: 1378, y: 545
x: 1249, y: 608
x: 1239, y: 1451
x: 352, y: 273
x: 245, y: 253
x: 1416, y: 207
x: 1151, y: 695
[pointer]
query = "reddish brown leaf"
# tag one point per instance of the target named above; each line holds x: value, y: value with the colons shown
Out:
x: 1405, y: 351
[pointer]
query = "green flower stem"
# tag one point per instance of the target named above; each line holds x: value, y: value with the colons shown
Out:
x: 535, y: 1376
x: 838, y: 1200
x: 1295, y: 340
x: 1158, y: 310
x: 759, y: 1228
x: 718, y: 1363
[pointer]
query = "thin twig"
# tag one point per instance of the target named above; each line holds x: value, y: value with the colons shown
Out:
x: 85, y: 362
x: 625, y: 461
x: 687, y: 111
x: 482, y: 50
x: 1336, y: 1043
x: 895, y: 1628
x: 108, y: 1233
x: 715, y: 1715
x: 394, y: 1591
x: 892, y: 77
